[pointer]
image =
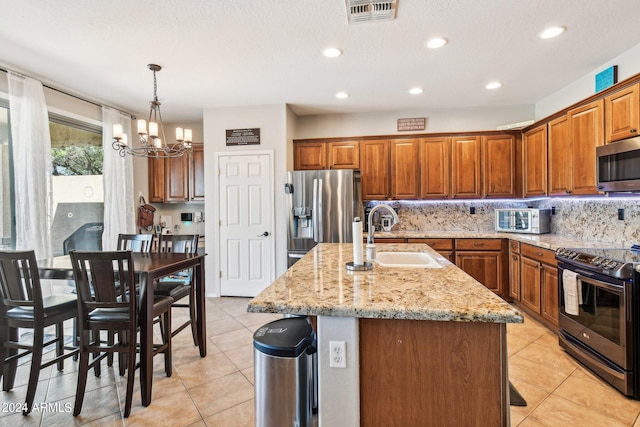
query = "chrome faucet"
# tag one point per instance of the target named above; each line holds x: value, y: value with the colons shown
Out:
x: 371, y: 247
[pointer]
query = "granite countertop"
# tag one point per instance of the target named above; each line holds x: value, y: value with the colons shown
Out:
x: 547, y: 241
x: 320, y: 285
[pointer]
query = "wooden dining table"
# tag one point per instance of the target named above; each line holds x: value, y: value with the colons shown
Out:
x: 149, y: 267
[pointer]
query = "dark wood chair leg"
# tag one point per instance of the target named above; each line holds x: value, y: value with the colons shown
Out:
x: 60, y: 345
x: 192, y: 313
x: 10, y: 369
x: 131, y: 374
x: 166, y: 339
x: 36, y: 361
x: 83, y: 370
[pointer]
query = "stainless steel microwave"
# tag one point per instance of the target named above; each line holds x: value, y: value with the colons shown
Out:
x: 529, y: 220
x: 618, y: 166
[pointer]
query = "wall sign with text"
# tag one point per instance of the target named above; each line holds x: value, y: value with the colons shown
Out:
x: 243, y: 136
x: 415, y: 123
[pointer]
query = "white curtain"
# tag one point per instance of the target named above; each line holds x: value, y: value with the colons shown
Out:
x: 32, y: 164
x: 117, y: 174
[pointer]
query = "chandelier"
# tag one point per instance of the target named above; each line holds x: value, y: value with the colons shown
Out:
x: 152, y: 140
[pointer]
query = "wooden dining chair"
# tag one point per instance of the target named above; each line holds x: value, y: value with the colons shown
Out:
x: 23, y: 306
x: 180, y: 286
x: 135, y: 242
x: 106, y: 287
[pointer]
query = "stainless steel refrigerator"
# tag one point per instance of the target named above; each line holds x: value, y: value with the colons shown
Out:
x: 321, y: 205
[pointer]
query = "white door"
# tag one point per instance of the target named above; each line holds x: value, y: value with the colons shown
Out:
x: 245, y: 211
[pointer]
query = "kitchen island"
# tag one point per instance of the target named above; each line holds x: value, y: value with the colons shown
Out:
x: 425, y: 346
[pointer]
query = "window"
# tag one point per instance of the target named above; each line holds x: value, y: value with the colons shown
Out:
x: 6, y: 174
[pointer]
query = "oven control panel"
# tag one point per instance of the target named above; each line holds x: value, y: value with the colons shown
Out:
x: 599, y: 264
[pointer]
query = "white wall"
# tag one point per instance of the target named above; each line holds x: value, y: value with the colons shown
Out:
x: 385, y: 123
x: 272, y: 121
x: 628, y: 65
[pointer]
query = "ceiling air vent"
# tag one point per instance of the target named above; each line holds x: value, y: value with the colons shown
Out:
x: 370, y: 10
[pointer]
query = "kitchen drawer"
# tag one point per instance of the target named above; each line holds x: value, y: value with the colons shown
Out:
x: 514, y: 246
x: 545, y: 256
x: 437, y: 244
x: 478, y: 244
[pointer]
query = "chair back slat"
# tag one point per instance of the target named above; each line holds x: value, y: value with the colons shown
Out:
x: 135, y: 242
x: 19, y: 280
x: 178, y: 243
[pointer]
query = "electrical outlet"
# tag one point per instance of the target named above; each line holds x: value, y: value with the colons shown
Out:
x: 337, y: 354
x: 621, y: 214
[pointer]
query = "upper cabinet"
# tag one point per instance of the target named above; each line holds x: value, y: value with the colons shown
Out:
x: 559, y: 142
x: 177, y: 179
x: 587, y: 133
x: 344, y: 155
x: 374, y: 169
x: 435, y: 160
x: 534, y: 162
x: 405, y: 169
x: 309, y: 156
x: 498, y: 166
x: 465, y: 167
x: 622, y: 113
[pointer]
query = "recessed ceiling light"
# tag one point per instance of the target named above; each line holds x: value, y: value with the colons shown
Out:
x: 342, y: 95
x: 332, y: 52
x: 493, y: 85
x: 416, y: 90
x: 436, y: 43
x: 551, y: 32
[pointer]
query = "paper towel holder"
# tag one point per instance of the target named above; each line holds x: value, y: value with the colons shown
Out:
x: 355, y: 267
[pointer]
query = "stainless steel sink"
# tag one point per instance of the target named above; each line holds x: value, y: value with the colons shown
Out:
x: 407, y: 260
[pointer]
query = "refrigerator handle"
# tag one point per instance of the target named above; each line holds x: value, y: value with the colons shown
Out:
x: 317, y: 210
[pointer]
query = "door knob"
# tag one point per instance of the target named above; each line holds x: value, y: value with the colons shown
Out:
x: 265, y: 234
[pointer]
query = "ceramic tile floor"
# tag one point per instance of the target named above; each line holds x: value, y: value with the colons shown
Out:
x: 218, y: 390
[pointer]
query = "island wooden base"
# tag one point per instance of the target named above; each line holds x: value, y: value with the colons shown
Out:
x: 428, y: 373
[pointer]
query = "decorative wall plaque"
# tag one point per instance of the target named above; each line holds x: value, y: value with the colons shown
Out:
x: 416, y: 123
x: 243, y: 136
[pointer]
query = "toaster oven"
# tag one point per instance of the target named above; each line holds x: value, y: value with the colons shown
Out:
x: 529, y: 220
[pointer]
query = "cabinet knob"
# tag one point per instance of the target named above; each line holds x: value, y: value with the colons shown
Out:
x: 515, y: 258
x: 539, y: 253
x: 537, y: 266
x: 478, y: 244
x: 632, y: 130
x: 567, y: 191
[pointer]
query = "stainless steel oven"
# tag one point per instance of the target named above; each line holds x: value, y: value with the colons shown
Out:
x: 599, y: 319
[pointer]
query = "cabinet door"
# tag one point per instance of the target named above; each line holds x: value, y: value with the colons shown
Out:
x: 405, y: 169
x: 177, y: 179
x: 465, y: 167
x: 623, y: 117
x: 484, y: 266
x: 560, y: 162
x: 344, y: 155
x: 534, y: 162
x: 309, y: 155
x: 196, y: 173
x: 514, y: 276
x: 374, y: 169
x: 549, y: 307
x: 156, y: 180
x: 499, y: 166
x: 587, y: 133
x: 435, y: 160
x: 530, y: 283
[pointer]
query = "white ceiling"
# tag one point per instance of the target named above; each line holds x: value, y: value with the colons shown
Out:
x: 217, y: 53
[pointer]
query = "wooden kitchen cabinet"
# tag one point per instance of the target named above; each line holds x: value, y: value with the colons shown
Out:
x: 514, y: 270
x: 622, y: 110
x: 484, y: 260
x: 498, y: 166
x: 466, y: 167
x: 435, y: 164
x: 374, y: 167
x: 539, y: 282
x: 560, y: 158
x: 534, y: 162
x: 443, y: 246
x: 309, y: 156
x: 177, y: 179
x: 344, y: 155
x: 587, y: 133
x: 405, y: 169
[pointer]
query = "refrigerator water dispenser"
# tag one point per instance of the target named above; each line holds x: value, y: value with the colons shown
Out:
x: 302, y: 224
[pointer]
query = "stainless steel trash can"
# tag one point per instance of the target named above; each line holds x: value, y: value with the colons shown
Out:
x: 283, y: 368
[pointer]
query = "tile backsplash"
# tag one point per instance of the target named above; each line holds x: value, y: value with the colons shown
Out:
x: 583, y: 218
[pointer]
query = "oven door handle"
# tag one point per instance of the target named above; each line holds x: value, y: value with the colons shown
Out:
x: 604, y: 285
x: 583, y: 272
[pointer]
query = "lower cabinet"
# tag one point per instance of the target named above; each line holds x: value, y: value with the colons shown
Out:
x: 484, y: 260
x: 539, y: 282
